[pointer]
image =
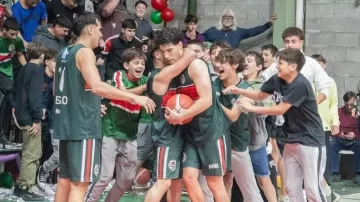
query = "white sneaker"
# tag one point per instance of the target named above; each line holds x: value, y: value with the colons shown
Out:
x: 46, y: 189
x: 284, y: 198
x: 53, y: 187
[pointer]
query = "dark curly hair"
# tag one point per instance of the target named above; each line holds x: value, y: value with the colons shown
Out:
x: 168, y: 35
x: 233, y: 56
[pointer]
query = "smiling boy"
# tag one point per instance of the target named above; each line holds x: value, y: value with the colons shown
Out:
x: 304, y: 153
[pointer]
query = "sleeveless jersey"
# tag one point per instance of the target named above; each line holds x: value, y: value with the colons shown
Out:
x: 239, y: 133
x: 122, y: 117
x: 77, y: 109
x: 207, y: 126
x: 163, y: 133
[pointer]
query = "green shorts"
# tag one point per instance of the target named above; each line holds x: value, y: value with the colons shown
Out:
x: 80, y: 160
x: 168, y: 162
x: 210, y: 158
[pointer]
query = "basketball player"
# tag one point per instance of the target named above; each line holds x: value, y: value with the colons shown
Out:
x: 205, y: 144
x: 168, y: 139
x: 231, y: 63
x: 77, y: 118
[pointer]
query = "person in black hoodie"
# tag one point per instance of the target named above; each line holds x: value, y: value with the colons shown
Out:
x: 53, y: 36
x: 28, y: 115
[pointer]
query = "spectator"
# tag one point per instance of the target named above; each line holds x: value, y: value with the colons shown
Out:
x: 53, y: 36
x: 30, y: 14
x: 190, y: 32
x: 215, y: 48
x: 347, y: 138
x: 28, y: 110
x: 112, y: 13
x: 5, y: 11
x: 328, y: 111
x: 228, y: 31
x: 115, y: 47
x: 50, y: 145
x: 144, y: 29
x: 11, y: 44
x: 67, y: 8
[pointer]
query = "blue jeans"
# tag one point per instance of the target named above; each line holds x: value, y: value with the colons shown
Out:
x: 335, y: 146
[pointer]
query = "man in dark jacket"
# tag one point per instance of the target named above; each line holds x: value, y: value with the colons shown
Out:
x: 53, y: 36
x: 228, y: 31
x: 28, y: 114
x: 115, y: 47
x: 144, y: 29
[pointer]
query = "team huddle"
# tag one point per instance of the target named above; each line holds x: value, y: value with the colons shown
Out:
x: 201, y: 147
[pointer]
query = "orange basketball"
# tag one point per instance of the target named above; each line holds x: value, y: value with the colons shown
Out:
x: 143, y: 176
x: 180, y: 102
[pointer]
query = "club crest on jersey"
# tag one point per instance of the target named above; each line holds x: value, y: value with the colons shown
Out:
x: 11, y: 48
x: 172, y: 165
x: 182, y: 79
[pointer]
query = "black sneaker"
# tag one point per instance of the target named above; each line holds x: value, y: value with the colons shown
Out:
x: 42, y: 176
x: 335, y: 177
x: 25, y: 195
x: 356, y: 179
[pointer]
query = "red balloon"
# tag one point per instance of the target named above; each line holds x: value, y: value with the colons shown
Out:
x: 167, y: 14
x: 159, y: 5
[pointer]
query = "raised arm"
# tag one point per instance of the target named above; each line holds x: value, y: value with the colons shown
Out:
x: 170, y: 72
x: 234, y: 113
x: 85, y: 61
x: 254, y: 95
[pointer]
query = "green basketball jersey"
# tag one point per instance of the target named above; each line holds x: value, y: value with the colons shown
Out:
x: 76, y: 109
x: 163, y: 134
x: 207, y: 126
x: 239, y: 133
x: 122, y: 118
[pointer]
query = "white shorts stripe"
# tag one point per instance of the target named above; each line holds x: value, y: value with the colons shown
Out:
x: 157, y: 161
x: 92, y: 159
x: 165, y: 162
x: 220, y: 155
x: 83, y: 163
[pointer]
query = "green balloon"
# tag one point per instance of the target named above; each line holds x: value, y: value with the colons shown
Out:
x: 156, y: 17
x: 6, y: 180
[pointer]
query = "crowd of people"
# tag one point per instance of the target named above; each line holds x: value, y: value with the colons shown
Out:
x: 92, y: 90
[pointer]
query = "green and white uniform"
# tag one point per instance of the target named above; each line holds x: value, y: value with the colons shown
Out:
x: 77, y: 120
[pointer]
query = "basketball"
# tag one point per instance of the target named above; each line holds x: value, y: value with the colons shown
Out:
x: 180, y: 102
x: 143, y: 176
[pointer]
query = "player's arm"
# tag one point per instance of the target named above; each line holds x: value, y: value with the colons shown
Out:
x: 252, y: 94
x: 234, y: 113
x: 85, y: 61
x: 137, y: 91
x: 168, y: 73
x: 198, y: 72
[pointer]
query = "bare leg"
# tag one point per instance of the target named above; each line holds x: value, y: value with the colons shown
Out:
x: 267, y: 187
x: 190, y: 177
x: 158, y: 190
x: 217, y: 187
x: 228, y: 181
x: 77, y: 191
x: 175, y: 191
x: 62, y: 190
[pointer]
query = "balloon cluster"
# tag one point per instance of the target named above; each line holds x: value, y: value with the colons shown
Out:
x: 162, y: 13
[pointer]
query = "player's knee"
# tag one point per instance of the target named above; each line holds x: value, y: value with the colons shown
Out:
x: 190, y: 179
x: 164, y: 183
x: 215, y: 183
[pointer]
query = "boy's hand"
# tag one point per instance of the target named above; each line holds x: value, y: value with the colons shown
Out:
x: 146, y: 102
x: 244, y: 105
x: 334, y: 130
x: 34, y: 130
x: 173, y: 117
x: 189, y: 53
x: 204, y: 56
x: 231, y: 90
x: 103, y: 110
